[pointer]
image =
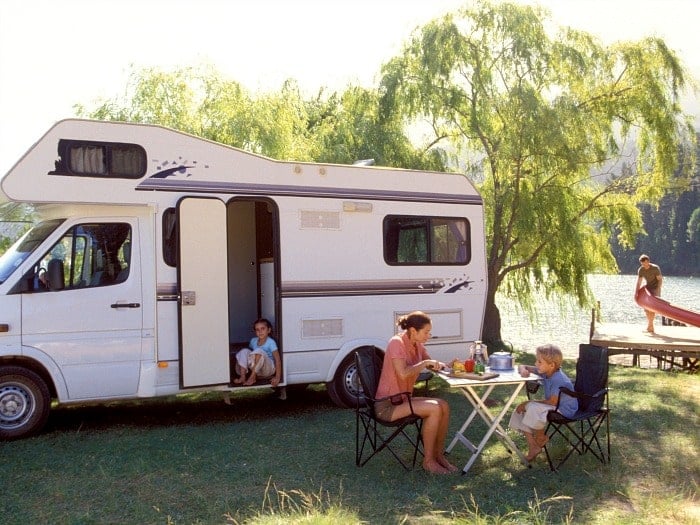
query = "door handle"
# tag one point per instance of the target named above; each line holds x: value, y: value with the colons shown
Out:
x: 125, y: 305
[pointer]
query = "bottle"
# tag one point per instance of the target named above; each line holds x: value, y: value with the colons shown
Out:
x: 479, y: 351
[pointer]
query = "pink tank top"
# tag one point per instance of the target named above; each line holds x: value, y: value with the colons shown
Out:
x: 399, y: 347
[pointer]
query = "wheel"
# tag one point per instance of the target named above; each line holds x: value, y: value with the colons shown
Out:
x: 345, y: 387
x: 24, y: 402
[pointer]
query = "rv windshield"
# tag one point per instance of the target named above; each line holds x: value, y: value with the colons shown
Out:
x: 25, y: 245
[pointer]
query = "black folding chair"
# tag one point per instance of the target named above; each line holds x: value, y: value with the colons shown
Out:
x: 582, y: 432
x: 372, y: 435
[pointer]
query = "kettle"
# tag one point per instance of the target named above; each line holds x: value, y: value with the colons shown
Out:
x: 502, y: 361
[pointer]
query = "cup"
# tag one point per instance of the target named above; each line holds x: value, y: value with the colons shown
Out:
x: 469, y: 365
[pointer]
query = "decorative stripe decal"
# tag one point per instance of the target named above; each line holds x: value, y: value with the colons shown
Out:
x: 168, y: 292
x: 350, y: 288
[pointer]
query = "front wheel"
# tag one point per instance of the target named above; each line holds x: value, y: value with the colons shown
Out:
x: 24, y: 402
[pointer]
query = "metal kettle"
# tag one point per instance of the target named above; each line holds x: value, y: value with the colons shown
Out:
x: 501, y: 361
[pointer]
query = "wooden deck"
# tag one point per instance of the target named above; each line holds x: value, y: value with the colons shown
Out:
x: 671, y: 346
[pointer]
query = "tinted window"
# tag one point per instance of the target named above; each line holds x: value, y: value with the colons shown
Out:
x: 414, y: 240
x: 170, y: 237
x: 86, y: 256
x: 20, y: 250
x: 100, y: 159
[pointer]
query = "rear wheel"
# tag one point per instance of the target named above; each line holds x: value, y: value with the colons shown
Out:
x: 345, y: 387
x: 24, y: 402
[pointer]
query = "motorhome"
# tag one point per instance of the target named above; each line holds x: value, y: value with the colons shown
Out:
x: 154, y: 251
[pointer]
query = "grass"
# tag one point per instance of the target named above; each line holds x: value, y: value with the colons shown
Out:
x: 192, y: 459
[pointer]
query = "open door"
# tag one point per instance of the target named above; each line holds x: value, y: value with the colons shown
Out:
x: 203, y: 289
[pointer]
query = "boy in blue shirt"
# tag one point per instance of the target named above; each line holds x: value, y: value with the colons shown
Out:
x: 530, y: 417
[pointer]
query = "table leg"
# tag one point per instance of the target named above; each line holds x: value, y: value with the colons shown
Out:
x: 501, y: 432
x: 459, y: 435
x: 493, y: 423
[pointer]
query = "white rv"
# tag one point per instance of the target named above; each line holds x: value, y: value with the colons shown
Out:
x: 156, y: 251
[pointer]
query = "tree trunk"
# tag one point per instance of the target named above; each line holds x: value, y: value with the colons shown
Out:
x: 491, y: 333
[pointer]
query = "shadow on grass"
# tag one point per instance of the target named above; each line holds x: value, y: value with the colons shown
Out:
x: 194, y: 409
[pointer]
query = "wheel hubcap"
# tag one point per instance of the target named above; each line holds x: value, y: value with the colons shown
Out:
x: 16, y: 405
x: 352, y: 382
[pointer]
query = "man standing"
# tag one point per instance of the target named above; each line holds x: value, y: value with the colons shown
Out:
x: 650, y: 274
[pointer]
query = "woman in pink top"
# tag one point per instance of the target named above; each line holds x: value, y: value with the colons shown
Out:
x: 404, y: 360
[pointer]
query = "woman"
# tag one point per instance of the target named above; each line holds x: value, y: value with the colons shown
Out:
x: 404, y: 360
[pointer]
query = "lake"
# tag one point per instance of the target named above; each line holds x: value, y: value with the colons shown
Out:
x: 568, y: 325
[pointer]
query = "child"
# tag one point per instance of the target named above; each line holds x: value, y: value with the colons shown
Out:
x: 261, y: 359
x: 530, y: 417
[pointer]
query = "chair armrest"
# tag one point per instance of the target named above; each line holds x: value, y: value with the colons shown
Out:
x: 532, y: 387
x: 579, y: 395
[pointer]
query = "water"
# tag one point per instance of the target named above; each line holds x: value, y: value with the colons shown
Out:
x: 568, y: 325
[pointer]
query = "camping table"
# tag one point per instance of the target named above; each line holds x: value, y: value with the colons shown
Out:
x: 469, y: 388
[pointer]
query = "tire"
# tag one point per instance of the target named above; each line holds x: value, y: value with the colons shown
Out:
x: 24, y: 402
x: 345, y: 387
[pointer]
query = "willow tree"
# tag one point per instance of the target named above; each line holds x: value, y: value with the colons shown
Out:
x: 285, y: 124
x: 199, y: 101
x: 544, y: 122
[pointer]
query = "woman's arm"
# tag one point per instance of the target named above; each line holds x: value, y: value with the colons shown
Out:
x: 405, y: 371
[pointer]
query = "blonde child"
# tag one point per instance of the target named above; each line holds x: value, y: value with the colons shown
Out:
x: 530, y: 417
x: 262, y: 358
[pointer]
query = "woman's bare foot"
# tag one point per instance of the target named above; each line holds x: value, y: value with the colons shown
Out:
x: 443, y: 462
x: 251, y: 380
x: 434, y: 467
x: 238, y: 380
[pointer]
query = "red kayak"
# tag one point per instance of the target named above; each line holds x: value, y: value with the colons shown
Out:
x: 646, y: 300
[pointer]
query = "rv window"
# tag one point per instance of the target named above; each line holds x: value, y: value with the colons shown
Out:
x: 100, y: 159
x: 23, y: 248
x: 412, y: 240
x: 170, y: 237
x: 88, y: 255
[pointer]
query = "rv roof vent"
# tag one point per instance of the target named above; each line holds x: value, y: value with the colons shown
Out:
x: 364, y: 162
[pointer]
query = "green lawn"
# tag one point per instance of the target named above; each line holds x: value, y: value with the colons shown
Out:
x: 193, y: 459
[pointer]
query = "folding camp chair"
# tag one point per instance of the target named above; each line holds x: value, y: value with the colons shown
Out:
x: 370, y: 432
x: 581, y: 432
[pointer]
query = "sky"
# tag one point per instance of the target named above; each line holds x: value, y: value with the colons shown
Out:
x: 58, y: 53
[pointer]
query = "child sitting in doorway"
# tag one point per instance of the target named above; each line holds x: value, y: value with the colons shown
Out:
x: 261, y: 359
x: 530, y: 417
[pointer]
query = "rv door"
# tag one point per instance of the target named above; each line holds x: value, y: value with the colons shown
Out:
x: 203, y: 290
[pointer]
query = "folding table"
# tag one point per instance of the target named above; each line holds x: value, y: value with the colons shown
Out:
x: 469, y: 388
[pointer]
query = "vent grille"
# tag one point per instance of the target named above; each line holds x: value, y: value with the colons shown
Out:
x: 321, y: 328
x: 323, y: 220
